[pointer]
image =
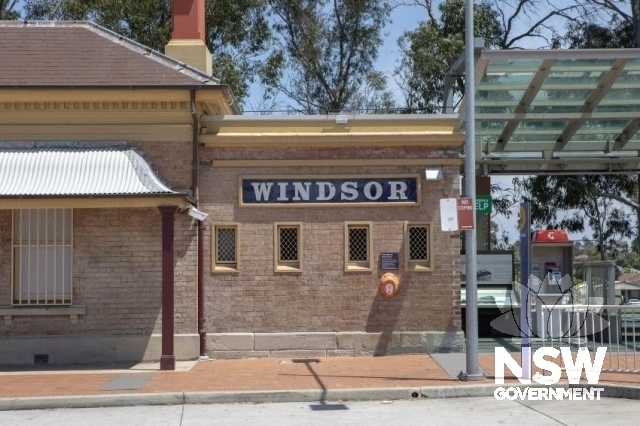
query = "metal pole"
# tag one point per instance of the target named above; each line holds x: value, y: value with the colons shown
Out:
x: 525, y: 305
x: 473, y: 370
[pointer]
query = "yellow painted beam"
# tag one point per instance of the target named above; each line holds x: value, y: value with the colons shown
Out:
x: 332, y: 140
x: 95, y: 117
x: 79, y: 94
x: 131, y: 132
x: 339, y: 162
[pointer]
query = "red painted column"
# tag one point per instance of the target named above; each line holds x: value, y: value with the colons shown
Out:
x: 168, y: 359
x: 188, y: 20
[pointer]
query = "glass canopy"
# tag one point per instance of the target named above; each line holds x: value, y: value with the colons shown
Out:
x: 558, y: 111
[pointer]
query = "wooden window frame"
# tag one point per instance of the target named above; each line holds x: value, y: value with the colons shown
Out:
x: 290, y: 267
x: 418, y: 265
x: 39, y: 242
x: 218, y: 267
x: 367, y: 265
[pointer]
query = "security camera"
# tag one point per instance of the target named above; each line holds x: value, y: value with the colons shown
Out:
x: 197, y: 214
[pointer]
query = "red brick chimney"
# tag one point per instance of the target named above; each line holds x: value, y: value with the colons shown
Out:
x: 187, y: 42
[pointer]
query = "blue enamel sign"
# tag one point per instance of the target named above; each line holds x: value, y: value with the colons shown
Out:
x: 319, y: 190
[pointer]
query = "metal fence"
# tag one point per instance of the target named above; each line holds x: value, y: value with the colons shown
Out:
x: 616, y: 327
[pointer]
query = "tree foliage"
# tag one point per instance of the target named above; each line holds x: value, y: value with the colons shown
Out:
x: 326, y: 54
x: 9, y: 10
x: 429, y: 51
x: 581, y: 203
x: 600, y: 25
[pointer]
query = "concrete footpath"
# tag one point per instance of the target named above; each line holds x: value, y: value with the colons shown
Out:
x: 392, y: 377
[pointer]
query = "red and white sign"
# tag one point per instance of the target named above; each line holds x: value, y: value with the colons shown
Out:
x: 457, y: 214
x: 466, y: 207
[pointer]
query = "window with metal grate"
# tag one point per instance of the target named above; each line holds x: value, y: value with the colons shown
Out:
x: 358, y: 246
x: 42, y: 252
x: 225, y: 248
x: 288, y: 253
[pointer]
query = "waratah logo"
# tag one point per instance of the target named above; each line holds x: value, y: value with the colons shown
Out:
x: 562, y: 312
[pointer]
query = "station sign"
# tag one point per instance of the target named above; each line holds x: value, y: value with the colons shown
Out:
x: 329, y: 190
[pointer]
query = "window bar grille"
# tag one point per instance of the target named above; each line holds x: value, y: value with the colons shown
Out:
x: 64, y: 246
x: 288, y: 250
x: 226, y: 245
x: 55, y: 249
x: 38, y: 256
x: 28, y: 261
x: 46, y: 257
x: 41, y: 274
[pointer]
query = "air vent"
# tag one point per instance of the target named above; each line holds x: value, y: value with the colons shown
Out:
x: 41, y: 359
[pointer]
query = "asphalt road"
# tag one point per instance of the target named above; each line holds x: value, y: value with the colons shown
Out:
x: 452, y: 411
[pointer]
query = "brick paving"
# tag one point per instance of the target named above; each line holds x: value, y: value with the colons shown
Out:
x: 265, y: 374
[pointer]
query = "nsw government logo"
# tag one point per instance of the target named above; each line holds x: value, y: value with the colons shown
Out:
x: 558, y: 320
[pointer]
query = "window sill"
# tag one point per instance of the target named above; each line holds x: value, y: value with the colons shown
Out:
x: 8, y: 312
x: 419, y: 268
x: 355, y: 268
x: 287, y: 270
x: 225, y: 270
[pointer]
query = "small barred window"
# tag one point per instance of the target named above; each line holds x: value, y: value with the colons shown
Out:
x: 224, y: 254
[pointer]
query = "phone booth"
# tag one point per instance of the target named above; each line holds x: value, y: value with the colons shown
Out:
x: 552, y: 269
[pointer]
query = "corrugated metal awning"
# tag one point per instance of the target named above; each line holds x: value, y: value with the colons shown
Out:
x: 66, y: 172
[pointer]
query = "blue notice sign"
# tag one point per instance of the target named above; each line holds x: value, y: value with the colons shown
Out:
x: 321, y: 190
x: 389, y: 261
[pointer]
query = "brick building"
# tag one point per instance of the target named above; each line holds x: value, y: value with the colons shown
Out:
x: 104, y: 148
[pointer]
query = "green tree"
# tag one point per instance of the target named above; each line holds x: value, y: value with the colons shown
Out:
x: 429, y: 51
x: 8, y: 10
x: 601, y: 25
x: 238, y: 33
x: 581, y: 201
x: 325, y: 54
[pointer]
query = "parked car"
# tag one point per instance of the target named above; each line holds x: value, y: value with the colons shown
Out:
x: 634, y: 302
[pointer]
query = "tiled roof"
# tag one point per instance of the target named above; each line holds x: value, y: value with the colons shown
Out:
x: 67, y: 172
x: 84, y: 54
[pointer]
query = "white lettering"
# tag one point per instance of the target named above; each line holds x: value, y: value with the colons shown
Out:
x: 597, y: 392
x: 398, y: 190
x: 262, y: 190
x: 322, y: 191
x: 367, y: 190
x: 556, y: 371
x: 502, y: 359
x: 301, y: 192
x: 546, y: 394
x: 574, y: 371
x: 583, y: 360
x: 349, y: 191
x: 283, y: 191
x: 587, y: 393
